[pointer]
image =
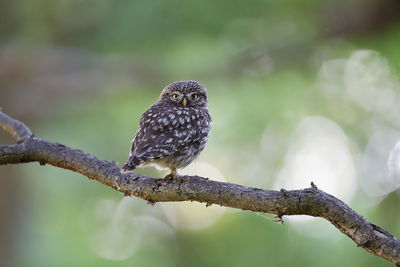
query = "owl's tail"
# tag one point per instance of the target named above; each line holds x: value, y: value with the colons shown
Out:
x: 131, y: 164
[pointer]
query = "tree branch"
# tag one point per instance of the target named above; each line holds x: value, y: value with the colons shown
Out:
x: 310, y: 201
x: 16, y: 129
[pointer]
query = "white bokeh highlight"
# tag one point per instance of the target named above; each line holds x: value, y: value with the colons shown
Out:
x: 394, y: 165
x: 319, y: 152
x: 380, y: 161
x: 364, y: 79
x: 117, y: 229
x: 194, y: 215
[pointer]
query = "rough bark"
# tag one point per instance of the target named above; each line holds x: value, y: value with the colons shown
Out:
x: 310, y: 201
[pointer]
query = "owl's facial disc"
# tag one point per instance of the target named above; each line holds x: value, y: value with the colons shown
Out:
x: 185, y: 94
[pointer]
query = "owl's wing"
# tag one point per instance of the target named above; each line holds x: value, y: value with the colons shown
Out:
x: 153, y: 145
x: 156, y: 137
x: 150, y: 147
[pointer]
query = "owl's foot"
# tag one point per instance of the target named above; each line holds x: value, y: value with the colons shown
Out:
x: 172, y: 175
x: 169, y: 177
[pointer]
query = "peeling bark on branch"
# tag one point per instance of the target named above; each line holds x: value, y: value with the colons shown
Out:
x: 310, y: 201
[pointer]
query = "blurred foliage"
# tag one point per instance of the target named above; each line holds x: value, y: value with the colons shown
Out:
x: 81, y: 72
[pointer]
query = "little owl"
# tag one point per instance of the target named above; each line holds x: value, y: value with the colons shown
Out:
x: 174, y: 130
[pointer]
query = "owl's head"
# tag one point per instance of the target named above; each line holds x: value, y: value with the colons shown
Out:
x: 185, y: 93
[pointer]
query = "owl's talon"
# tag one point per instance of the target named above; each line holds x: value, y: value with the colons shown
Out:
x: 170, y: 177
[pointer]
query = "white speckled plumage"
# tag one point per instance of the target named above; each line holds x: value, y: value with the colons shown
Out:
x: 174, y: 130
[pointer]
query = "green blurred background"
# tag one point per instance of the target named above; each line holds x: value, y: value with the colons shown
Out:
x: 299, y: 91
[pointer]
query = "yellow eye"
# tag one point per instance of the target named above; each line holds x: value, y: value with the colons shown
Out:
x: 195, y: 96
x: 175, y: 96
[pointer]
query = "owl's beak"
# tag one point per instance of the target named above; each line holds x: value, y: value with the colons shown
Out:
x: 184, y: 102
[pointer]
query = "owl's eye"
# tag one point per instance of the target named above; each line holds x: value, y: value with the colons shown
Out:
x: 175, y: 96
x: 195, y: 96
